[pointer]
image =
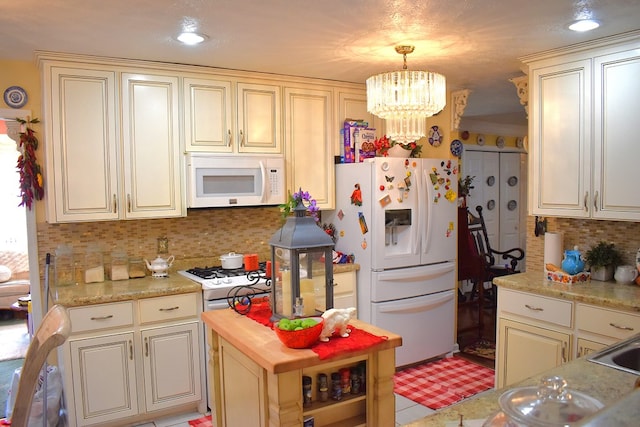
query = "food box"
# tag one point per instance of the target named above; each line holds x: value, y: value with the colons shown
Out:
x: 365, y: 147
x: 562, y: 277
x: 349, y: 129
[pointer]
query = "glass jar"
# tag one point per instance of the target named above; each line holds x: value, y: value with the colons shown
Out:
x: 137, y: 268
x: 306, y: 391
x: 119, y: 269
x: 93, y: 265
x: 323, y: 388
x: 64, y: 266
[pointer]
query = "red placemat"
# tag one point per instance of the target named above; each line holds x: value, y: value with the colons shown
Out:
x: 357, y: 339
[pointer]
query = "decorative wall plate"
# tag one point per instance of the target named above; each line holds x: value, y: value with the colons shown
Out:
x: 480, y: 139
x: 456, y: 147
x: 435, y: 136
x: 512, y: 205
x: 491, y: 204
x: 491, y: 180
x: 520, y: 142
x: 513, y: 180
x: 500, y: 142
x: 15, y: 97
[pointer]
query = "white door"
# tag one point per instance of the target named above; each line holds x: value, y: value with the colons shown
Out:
x: 509, y: 206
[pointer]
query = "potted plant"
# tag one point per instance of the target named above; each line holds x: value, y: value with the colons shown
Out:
x: 464, y: 187
x: 603, y: 259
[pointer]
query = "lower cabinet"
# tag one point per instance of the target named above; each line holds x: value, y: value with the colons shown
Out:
x: 344, y: 290
x: 116, y: 368
x: 527, y: 349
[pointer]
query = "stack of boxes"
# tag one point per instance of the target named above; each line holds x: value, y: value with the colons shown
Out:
x: 358, y: 141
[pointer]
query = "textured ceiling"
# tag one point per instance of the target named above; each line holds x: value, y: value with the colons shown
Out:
x: 474, y: 43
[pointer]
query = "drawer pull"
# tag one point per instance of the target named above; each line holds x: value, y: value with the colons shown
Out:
x: 146, y: 347
x: 534, y: 308
x: 624, y: 328
x: 170, y: 308
x: 108, y: 316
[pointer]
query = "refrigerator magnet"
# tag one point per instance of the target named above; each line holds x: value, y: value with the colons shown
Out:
x: 364, y: 244
x: 340, y: 214
x: 363, y: 223
x: 385, y: 201
x: 356, y: 196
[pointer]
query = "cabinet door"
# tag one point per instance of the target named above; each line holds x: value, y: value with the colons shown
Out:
x: 104, y: 378
x: 171, y: 360
x: 81, y: 145
x: 525, y: 350
x: 616, y: 151
x: 151, y: 147
x: 258, y: 119
x: 208, y: 115
x: 560, y: 158
x: 308, y: 141
x: 352, y: 104
x: 585, y: 347
x: 344, y: 290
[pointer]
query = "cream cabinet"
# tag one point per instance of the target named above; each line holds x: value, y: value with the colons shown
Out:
x: 131, y: 361
x: 230, y: 116
x: 113, y: 144
x: 534, y: 335
x: 599, y: 327
x: 309, y: 133
x: 345, y: 290
x: 582, y: 111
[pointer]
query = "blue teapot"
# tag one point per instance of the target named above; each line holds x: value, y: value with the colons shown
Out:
x: 572, y: 262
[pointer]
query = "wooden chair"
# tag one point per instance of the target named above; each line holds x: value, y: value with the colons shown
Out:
x: 52, y: 332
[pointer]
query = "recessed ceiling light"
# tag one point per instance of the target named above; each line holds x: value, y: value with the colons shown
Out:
x: 191, y: 38
x: 584, y: 25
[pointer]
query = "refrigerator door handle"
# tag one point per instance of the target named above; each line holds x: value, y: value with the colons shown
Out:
x: 418, y: 240
x: 425, y: 221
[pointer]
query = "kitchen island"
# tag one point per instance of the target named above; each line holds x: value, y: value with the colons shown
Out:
x: 257, y: 381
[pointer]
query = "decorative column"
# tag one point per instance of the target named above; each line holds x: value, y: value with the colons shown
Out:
x: 522, y: 87
x: 13, y: 130
x: 459, y: 103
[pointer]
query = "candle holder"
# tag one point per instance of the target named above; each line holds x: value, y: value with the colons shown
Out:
x: 302, y: 272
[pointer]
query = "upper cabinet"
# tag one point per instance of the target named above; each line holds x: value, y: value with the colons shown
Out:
x: 113, y: 146
x: 231, y: 116
x: 583, y: 103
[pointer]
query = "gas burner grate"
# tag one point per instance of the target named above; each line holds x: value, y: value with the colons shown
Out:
x: 220, y: 273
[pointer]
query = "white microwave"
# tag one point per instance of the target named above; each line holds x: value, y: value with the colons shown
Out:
x: 224, y: 181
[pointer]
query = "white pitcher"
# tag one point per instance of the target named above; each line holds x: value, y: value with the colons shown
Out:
x: 625, y: 274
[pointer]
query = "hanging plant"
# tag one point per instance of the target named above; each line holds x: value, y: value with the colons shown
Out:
x: 31, y: 180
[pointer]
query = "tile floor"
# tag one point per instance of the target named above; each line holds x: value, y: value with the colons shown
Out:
x: 406, y: 412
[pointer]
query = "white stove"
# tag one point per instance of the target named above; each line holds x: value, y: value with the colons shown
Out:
x: 220, y: 286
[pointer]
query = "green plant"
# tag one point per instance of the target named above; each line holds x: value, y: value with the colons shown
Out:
x: 602, y: 255
x: 464, y: 185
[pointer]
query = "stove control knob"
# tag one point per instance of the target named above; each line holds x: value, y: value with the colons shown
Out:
x: 227, y: 280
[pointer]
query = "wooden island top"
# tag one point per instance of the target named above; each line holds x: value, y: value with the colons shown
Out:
x: 261, y: 344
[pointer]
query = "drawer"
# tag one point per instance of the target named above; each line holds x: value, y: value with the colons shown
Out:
x: 607, y: 322
x: 344, y: 283
x: 537, y: 307
x: 101, y: 316
x: 168, y: 308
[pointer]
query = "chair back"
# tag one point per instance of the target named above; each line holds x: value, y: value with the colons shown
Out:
x: 52, y: 332
x: 479, y: 235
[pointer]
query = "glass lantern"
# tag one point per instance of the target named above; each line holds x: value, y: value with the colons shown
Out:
x: 302, y: 271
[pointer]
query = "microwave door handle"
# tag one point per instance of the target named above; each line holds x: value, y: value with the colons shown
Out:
x: 263, y: 172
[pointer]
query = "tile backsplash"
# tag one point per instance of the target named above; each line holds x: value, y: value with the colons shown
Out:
x: 202, y: 234
x: 584, y: 233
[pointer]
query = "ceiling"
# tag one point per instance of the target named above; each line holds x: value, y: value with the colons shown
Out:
x: 474, y: 43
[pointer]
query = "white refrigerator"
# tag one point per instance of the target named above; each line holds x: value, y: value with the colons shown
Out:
x: 398, y: 218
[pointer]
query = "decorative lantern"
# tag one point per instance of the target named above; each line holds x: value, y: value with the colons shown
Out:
x: 302, y: 272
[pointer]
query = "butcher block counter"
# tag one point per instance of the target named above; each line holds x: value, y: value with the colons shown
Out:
x: 256, y: 381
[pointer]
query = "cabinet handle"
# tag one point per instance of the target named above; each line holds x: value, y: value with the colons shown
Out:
x: 534, y: 308
x: 108, y: 316
x: 580, y: 351
x: 595, y: 201
x: 146, y: 347
x: 170, y: 308
x: 586, y: 203
x: 115, y: 204
x: 128, y: 202
x: 241, y: 138
x: 335, y: 284
x: 229, y: 138
x: 130, y: 350
x: 624, y: 328
x: 564, y: 352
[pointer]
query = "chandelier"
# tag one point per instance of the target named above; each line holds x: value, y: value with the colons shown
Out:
x: 405, y: 99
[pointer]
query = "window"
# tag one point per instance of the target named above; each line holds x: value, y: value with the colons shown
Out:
x: 13, y: 224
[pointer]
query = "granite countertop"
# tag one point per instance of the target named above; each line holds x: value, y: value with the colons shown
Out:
x: 603, y: 294
x: 122, y: 290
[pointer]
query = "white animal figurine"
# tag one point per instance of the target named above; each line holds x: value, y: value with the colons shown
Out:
x: 336, y: 320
